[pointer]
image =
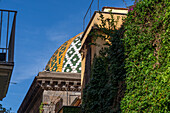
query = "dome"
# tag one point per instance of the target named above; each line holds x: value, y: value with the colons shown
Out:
x: 67, y: 57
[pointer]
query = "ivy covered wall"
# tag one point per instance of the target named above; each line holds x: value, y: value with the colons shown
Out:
x: 147, y: 36
x: 132, y: 75
x: 106, y: 87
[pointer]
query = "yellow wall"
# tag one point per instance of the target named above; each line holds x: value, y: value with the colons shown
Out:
x: 96, y: 21
x: 95, y: 49
x: 82, y: 66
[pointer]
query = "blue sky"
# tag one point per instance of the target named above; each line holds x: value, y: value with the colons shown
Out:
x: 42, y: 26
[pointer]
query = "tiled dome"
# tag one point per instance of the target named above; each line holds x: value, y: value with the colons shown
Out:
x: 67, y: 57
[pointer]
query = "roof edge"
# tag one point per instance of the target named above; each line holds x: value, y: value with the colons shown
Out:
x: 119, y: 8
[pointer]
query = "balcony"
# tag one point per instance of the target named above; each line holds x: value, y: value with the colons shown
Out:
x: 7, y: 41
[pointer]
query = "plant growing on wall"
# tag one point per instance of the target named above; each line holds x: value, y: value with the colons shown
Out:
x: 105, y: 90
x: 139, y: 57
x: 147, y: 29
x: 41, y: 108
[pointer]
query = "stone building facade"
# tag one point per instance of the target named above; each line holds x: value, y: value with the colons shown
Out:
x: 59, y: 84
x: 68, y: 71
x: 89, y: 51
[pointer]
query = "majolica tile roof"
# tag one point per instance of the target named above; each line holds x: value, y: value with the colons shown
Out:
x: 67, y: 57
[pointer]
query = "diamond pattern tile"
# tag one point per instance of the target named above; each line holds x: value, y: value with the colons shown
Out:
x: 67, y: 57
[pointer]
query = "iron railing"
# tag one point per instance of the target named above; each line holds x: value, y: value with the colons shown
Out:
x: 7, y: 37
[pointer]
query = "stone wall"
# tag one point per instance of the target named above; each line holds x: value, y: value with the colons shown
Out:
x: 51, y: 98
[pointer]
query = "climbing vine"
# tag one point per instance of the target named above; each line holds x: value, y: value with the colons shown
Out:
x: 137, y: 59
x: 106, y: 87
x: 147, y: 29
x: 41, y: 108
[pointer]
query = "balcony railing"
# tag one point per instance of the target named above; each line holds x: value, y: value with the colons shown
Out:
x: 7, y: 35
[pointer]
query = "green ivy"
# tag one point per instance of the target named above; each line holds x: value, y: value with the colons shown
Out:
x: 70, y: 109
x: 96, y: 93
x: 138, y: 60
x: 41, y: 108
x: 106, y: 87
x: 147, y: 34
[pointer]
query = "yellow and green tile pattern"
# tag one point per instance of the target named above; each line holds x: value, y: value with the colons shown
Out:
x: 67, y: 57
